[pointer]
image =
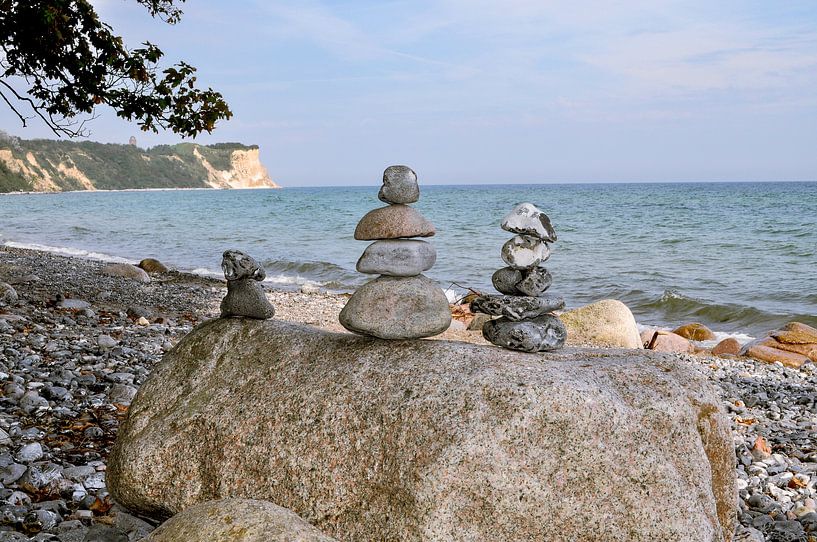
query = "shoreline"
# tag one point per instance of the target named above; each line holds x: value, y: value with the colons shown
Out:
x: 106, y: 190
x: 77, y: 344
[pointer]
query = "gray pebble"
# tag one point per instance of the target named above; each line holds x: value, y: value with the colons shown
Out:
x: 516, y: 307
x: 536, y: 335
x: 399, y: 185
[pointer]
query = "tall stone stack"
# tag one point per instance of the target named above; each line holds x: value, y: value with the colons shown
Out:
x: 526, y: 321
x: 401, y: 303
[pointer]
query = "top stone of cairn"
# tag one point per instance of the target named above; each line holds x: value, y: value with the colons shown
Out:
x: 526, y: 219
x: 399, y: 185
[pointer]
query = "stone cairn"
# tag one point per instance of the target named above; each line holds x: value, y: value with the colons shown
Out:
x: 401, y: 303
x: 526, y: 321
x: 245, y: 296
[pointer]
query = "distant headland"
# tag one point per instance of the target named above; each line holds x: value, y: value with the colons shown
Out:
x: 44, y: 165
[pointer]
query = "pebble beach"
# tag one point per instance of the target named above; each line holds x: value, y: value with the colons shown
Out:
x: 75, y: 345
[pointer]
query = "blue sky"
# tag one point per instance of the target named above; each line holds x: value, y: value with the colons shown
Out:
x: 474, y: 91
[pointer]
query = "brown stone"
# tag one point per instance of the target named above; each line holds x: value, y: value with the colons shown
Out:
x: 727, y: 347
x: 796, y: 333
x: 761, y: 449
x: 151, y: 266
x: 393, y: 222
x: 770, y: 355
x: 666, y: 341
x: 798, y: 348
x: 430, y: 440
x: 695, y: 332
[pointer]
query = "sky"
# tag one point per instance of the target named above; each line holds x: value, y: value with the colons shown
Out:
x: 511, y: 91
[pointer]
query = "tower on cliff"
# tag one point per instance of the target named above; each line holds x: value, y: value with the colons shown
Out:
x: 132, y: 141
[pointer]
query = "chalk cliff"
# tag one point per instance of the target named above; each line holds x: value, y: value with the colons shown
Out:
x: 42, y: 165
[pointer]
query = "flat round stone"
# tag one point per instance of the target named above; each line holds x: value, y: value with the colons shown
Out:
x: 537, y: 280
x: 524, y: 252
x: 516, y: 307
x: 397, y: 258
x: 538, y: 335
x: 399, y: 185
x: 506, y: 279
x: 393, y: 222
x: 397, y: 308
x: 526, y: 219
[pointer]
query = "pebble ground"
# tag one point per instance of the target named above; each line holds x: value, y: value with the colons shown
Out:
x: 76, y: 346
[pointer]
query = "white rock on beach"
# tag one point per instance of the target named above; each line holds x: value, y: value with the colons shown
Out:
x: 527, y: 219
x: 430, y: 440
x: 524, y: 252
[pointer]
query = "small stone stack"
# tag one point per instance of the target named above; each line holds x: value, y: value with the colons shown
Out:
x: 526, y: 321
x: 401, y: 303
x: 245, y: 297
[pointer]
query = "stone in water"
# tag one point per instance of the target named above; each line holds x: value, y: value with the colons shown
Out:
x: 526, y: 219
x: 245, y: 296
x: 399, y: 185
x: 536, y: 335
x: 397, y: 258
x: 516, y: 307
x: 524, y: 252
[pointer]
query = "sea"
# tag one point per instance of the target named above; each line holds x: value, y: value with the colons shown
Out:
x: 738, y: 257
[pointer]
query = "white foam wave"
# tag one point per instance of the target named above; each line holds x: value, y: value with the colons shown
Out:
x: 295, y: 280
x: 742, y: 338
x: 69, y: 251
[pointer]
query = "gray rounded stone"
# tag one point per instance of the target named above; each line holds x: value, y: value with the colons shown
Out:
x: 399, y: 185
x: 516, y: 307
x: 246, y: 298
x: 397, y: 257
x: 540, y: 334
x: 532, y: 282
x: 526, y: 219
x: 506, y: 279
x: 397, y: 308
x: 537, y: 280
x: 8, y: 294
x: 430, y: 440
x: 524, y: 252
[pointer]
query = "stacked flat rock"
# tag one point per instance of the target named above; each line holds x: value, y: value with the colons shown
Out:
x: 526, y: 321
x: 401, y: 303
x: 245, y: 296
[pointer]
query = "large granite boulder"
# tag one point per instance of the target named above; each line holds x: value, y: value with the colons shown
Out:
x: 237, y: 520
x: 417, y: 440
x: 606, y: 323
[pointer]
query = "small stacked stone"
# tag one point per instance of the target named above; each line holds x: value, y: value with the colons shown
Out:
x: 526, y: 321
x: 401, y: 303
x: 245, y: 296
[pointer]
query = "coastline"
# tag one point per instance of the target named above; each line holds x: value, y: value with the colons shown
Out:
x: 105, y: 190
x: 77, y: 344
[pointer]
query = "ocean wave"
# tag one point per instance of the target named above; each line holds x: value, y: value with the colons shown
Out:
x: 69, y: 251
x: 672, y: 306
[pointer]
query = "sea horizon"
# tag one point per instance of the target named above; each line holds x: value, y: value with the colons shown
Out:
x: 674, y: 252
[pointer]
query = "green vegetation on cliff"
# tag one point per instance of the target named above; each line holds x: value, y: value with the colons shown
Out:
x: 49, y: 165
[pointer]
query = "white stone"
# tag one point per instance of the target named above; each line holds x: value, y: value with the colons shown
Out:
x: 526, y: 219
x: 524, y: 252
